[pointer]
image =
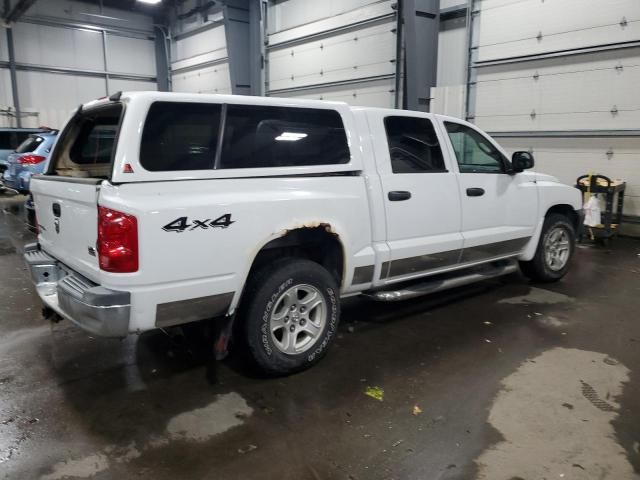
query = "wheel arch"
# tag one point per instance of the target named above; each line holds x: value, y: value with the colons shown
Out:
x: 560, y: 208
x: 566, y: 210
x: 320, y: 242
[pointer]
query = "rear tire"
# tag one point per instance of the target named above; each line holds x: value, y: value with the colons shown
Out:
x: 289, y: 315
x: 554, y: 252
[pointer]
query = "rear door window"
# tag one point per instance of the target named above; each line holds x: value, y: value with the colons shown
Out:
x: 180, y: 136
x: 259, y: 136
x: 30, y: 144
x: 413, y: 145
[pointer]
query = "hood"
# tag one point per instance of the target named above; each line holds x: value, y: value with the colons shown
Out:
x: 543, y: 177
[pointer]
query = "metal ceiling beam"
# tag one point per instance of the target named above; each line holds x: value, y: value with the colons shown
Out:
x: 30, y: 67
x: 421, y: 19
x: 18, y: 10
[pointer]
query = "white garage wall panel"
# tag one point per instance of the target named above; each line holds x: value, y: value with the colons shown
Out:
x: 452, y: 52
x: 516, y: 28
x: 580, y: 92
x: 335, y: 50
x: 214, y: 79
x: 372, y: 94
x: 131, y: 55
x: 58, y: 47
x: 196, y: 46
x: 86, y: 12
x: 288, y: 14
x: 55, y: 96
x: 64, y: 34
x: 561, y: 67
x: 200, y: 60
x: 120, y: 85
x: 569, y: 158
x: 366, y: 53
x: 447, y: 97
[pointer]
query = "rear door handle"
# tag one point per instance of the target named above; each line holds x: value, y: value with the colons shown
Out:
x: 399, y: 195
x: 475, y: 192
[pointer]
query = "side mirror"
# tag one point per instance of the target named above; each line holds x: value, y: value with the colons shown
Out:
x: 521, y: 161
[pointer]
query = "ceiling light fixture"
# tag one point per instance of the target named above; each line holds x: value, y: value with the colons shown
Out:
x: 150, y: 2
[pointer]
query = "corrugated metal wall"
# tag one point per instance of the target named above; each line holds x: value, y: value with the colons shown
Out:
x: 332, y: 50
x: 559, y: 78
x: 60, y: 50
x: 558, y: 67
x: 199, y: 57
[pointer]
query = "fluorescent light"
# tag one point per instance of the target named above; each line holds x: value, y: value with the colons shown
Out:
x: 290, y: 136
x: 150, y: 2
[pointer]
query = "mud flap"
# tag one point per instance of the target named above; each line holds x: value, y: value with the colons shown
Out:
x: 223, y: 328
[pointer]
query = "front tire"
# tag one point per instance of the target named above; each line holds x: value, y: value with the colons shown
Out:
x: 555, y: 250
x: 290, y: 315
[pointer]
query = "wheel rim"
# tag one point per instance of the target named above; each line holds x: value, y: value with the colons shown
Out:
x: 298, y: 319
x: 557, y: 248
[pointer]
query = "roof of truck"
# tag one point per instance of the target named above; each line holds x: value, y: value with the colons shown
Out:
x: 214, y: 97
x: 248, y: 99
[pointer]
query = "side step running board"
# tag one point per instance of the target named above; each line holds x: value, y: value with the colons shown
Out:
x: 438, y: 284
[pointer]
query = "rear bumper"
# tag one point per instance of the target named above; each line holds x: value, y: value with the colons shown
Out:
x: 98, y: 310
x: 19, y: 182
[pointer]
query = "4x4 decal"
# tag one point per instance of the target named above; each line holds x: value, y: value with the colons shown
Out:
x: 182, y: 224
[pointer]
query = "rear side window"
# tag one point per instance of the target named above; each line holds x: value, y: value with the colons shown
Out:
x: 257, y: 137
x: 413, y: 145
x: 180, y: 136
x: 21, y: 137
x: 30, y: 144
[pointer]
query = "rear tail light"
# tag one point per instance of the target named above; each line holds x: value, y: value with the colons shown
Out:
x: 117, y: 241
x: 31, y: 159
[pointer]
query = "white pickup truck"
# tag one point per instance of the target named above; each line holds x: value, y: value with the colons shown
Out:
x: 159, y: 209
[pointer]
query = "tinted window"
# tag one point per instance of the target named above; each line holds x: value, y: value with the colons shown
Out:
x: 180, y: 136
x: 21, y: 137
x: 475, y: 154
x: 30, y: 144
x: 282, y: 137
x: 96, y: 137
x: 413, y: 145
x: 5, y: 141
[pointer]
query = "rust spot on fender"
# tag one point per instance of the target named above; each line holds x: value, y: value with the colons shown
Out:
x: 327, y: 227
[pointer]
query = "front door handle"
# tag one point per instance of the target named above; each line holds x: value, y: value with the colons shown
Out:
x: 475, y: 192
x: 399, y: 196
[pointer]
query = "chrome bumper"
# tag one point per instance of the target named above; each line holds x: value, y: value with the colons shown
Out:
x: 96, y: 309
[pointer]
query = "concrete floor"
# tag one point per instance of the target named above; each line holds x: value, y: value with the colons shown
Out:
x: 501, y: 381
